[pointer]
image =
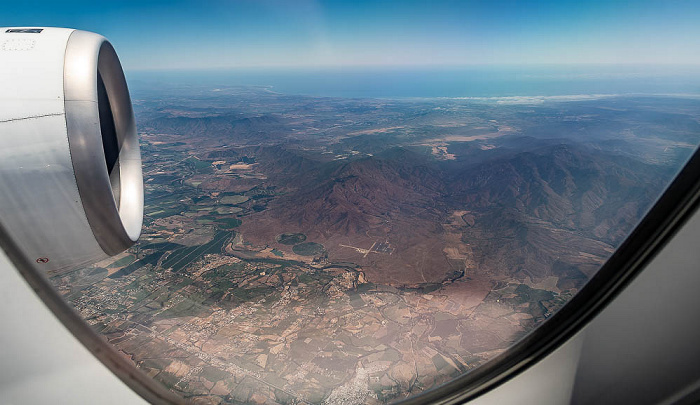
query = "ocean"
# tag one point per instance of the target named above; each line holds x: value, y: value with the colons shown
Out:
x: 470, y: 81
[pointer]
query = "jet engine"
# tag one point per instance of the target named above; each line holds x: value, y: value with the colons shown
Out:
x: 71, y: 187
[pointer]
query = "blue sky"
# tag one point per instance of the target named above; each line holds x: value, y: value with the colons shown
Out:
x: 225, y: 34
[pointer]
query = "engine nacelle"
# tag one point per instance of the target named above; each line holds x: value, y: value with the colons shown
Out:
x: 71, y: 187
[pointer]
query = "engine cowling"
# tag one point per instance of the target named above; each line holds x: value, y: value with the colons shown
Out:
x: 71, y: 186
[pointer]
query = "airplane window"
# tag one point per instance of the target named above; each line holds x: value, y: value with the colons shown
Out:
x: 353, y: 202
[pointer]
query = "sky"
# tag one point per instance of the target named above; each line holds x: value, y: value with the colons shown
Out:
x: 191, y: 35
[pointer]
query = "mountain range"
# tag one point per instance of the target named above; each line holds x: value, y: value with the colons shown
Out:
x: 557, y: 210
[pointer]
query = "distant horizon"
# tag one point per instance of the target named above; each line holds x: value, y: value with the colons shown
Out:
x: 480, y: 81
x: 694, y: 65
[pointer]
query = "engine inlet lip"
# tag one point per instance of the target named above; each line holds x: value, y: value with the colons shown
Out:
x: 113, y: 206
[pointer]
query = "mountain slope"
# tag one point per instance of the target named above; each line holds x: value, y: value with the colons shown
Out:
x: 557, y: 210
